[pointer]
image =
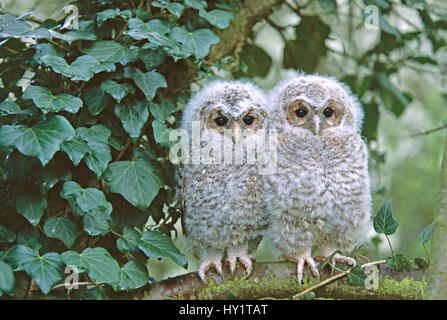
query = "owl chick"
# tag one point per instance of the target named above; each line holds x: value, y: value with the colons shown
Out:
x: 222, y: 209
x: 319, y: 197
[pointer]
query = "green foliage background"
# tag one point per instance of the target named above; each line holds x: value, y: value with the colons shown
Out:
x: 85, y: 115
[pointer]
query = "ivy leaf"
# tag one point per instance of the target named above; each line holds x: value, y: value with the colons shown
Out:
x: 112, y: 52
x: 102, y: 16
x: 128, y: 243
x: 148, y: 82
x: 425, y: 235
x: 20, y: 254
x: 44, y: 99
x: 400, y: 263
x: 356, y: 277
x: 98, y: 155
x: 154, y: 31
x: 12, y: 108
x: 383, y: 221
x: 12, y: 27
x: 90, y: 203
x: 133, y: 116
x: 96, y: 99
x: 6, y: 277
x: 117, y: 90
x: 157, y: 245
x: 173, y: 7
x: 61, y: 228
x: 197, y: 42
x: 135, y: 180
x: 161, y: 132
x: 46, y: 270
x: 75, y: 148
x: 98, y: 263
x: 218, y: 18
x: 133, y: 276
x: 196, y: 4
x: 31, y: 207
x: 6, y: 235
x: 162, y: 110
x: 42, y: 140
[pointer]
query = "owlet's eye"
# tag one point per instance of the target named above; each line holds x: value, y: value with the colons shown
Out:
x: 248, y: 120
x: 328, y: 112
x: 301, y: 112
x: 220, y: 121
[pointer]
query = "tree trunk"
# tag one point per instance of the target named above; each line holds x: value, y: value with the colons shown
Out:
x: 437, y: 282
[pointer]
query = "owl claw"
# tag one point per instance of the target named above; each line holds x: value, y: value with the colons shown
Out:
x: 246, y: 261
x: 205, y: 266
x: 343, y: 259
x: 301, y: 261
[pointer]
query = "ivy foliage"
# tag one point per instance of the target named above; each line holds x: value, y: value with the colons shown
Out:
x: 83, y: 148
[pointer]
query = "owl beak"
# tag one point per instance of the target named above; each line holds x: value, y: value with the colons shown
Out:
x: 236, y: 133
x: 316, y: 124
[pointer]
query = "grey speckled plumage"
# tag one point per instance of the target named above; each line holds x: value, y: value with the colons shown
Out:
x: 319, y: 197
x: 223, y: 214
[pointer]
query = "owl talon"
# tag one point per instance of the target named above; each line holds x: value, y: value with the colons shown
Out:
x: 246, y: 261
x: 301, y: 261
x: 343, y: 259
x: 205, y: 266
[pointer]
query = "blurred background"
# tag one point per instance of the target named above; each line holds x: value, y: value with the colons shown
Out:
x: 397, y: 68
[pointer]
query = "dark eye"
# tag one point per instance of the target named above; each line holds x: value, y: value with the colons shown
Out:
x: 328, y: 112
x: 248, y: 120
x: 301, y: 112
x: 220, y: 121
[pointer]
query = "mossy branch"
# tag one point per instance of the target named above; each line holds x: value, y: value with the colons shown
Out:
x: 278, y: 280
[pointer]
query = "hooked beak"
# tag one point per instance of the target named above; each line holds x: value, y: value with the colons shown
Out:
x: 316, y: 124
x: 237, y: 134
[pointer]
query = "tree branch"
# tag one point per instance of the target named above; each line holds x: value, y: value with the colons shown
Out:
x: 250, y: 12
x: 278, y: 280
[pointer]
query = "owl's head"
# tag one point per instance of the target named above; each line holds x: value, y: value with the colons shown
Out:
x: 314, y: 104
x: 227, y: 105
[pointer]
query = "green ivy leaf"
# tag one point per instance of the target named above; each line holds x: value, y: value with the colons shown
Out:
x: 218, y: 18
x: 117, y: 90
x: 6, y: 235
x: 256, y: 60
x: 44, y: 99
x: 42, y: 140
x: 196, y: 43
x: 46, y: 270
x: 133, y: 276
x: 112, y: 52
x: 400, y: 263
x: 173, y: 7
x: 98, y: 263
x: 425, y: 235
x: 128, y: 243
x: 148, y: 82
x: 31, y: 207
x: 76, y: 149
x: 196, y: 4
x: 161, y: 132
x: 383, y: 221
x: 356, y: 277
x: 90, y: 203
x: 162, y: 110
x: 154, y: 31
x: 135, y: 180
x: 102, y: 16
x: 392, y: 98
x: 133, y: 116
x: 20, y: 254
x: 96, y: 99
x: 12, y: 27
x: 61, y: 228
x: 6, y: 277
x: 157, y: 245
x: 12, y: 108
x: 98, y: 156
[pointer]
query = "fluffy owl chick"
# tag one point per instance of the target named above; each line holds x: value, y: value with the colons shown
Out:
x: 222, y: 207
x: 319, y: 197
